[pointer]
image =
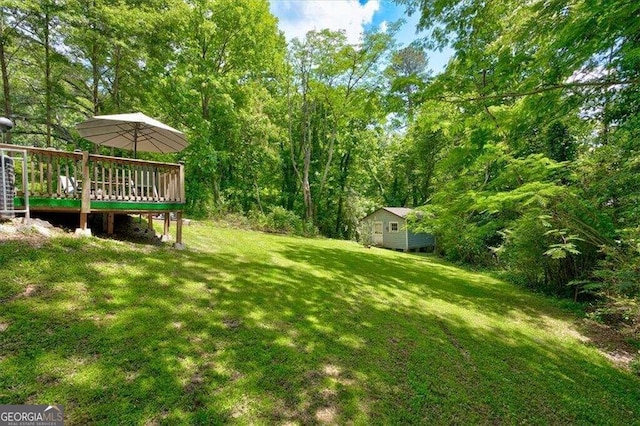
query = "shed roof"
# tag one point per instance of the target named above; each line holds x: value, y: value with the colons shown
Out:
x: 398, y: 211
x: 401, y: 212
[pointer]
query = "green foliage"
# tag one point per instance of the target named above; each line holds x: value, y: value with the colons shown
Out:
x: 619, y: 271
x: 279, y: 221
x: 365, y: 233
x: 283, y: 221
x: 564, y: 248
x: 522, y: 252
x: 539, y: 162
x: 334, y: 121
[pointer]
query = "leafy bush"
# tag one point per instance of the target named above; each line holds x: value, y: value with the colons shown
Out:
x: 616, y: 312
x: 522, y: 252
x: 309, y: 229
x: 460, y: 240
x: 365, y: 233
x: 281, y: 220
x: 257, y: 220
x: 619, y: 271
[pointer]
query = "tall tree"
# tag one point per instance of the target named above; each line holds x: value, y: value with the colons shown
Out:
x: 9, y: 20
x: 335, y: 85
x: 219, y: 49
x: 408, y: 75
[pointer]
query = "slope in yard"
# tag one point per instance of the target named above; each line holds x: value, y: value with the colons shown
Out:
x: 250, y: 327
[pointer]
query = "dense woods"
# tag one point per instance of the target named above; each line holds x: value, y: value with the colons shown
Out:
x: 523, y: 153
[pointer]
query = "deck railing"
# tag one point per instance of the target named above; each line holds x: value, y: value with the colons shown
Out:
x: 79, y: 175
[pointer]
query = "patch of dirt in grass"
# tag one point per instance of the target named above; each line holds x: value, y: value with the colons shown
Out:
x: 326, y: 415
x: 284, y: 414
x: 159, y: 419
x: 47, y: 379
x: 611, y: 342
x: 319, y: 400
x: 312, y: 377
x: 240, y: 409
x: 131, y: 376
x: 195, y: 383
x: 328, y: 394
x: 3, y: 326
x: 103, y: 319
x: 194, y: 340
x: 331, y: 370
x: 235, y: 376
x: 35, y: 241
x: 232, y: 323
x: 29, y: 291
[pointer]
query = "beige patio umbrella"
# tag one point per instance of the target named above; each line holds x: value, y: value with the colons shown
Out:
x: 135, y: 132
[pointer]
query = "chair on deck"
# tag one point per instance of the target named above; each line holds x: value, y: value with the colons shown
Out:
x: 67, y: 185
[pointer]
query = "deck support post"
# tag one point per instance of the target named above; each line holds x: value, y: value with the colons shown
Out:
x: 150, y: 221
x: 85, y: 206
x: 178, y: 244
x: 110, y: 222
x: 167, y: 221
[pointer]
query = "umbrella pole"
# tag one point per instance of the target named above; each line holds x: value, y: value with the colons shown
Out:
x: 135, y: 142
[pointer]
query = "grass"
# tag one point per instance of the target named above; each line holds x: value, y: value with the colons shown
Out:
x: 252, y: 328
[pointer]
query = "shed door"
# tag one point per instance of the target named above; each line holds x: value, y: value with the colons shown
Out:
x: 377, y: 233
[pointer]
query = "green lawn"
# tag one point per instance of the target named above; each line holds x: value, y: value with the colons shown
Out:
x: 256, y: 328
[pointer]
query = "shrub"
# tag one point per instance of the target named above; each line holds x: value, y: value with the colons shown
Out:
x: 620, y: 269
x: 281, y: 220
x: 460, y: 240
x: 309, y: 229
x: 365, y: 233
x: 522, y: 252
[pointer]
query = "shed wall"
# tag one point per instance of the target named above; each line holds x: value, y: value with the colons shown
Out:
x: 420, y: 240
x: 394, y: 240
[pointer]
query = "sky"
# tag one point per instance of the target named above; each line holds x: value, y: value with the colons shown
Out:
x: 296, y: 17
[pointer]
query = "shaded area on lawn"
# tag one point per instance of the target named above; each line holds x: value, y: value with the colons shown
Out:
x: 282, y: 329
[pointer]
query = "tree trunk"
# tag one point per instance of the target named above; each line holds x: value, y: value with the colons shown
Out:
x: 216, y: 190
x: 95, y: 79
x: 205, y: 106
x: 47, y: 70
x: 306, y: 187
x: 116, y: 79
x: 5, y: 83
x: 327, y: 165
x: 258, y: 200
x: 344, y: 173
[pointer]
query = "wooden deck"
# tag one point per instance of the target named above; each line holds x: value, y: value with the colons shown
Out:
x: 53, y: 180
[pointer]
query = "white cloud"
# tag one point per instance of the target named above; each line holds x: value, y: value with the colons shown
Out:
x: 297, y: 17
x: 384, y: 27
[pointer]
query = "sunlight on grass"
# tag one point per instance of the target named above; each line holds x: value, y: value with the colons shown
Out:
x: 248, y: 327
